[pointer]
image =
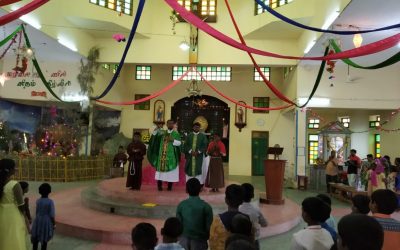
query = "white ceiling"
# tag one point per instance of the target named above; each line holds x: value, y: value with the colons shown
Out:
x: 366, y: 14
x: 100, y: 29
x: 46, y: 48
x: 278, y: 30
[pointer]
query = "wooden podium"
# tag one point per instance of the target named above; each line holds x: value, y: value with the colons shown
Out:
x: 274, y: 171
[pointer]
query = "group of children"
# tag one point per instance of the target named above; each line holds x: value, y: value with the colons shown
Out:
x: 42, y: 227
x: 356, y: 231
x: 195, y: 227
x: 381, y: 174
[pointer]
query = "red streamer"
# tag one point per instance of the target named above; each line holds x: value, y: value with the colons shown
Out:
x: 236, y: 101
x: 7, y: 2
x: 21, y: 11
x: 154, y: 95
x: 361, y: 51
x: 268, y: 83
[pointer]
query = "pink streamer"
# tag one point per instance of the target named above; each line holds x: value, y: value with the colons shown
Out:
x: 268, y: 83
x: 361, y: 51
x: 236, y: 101
x: 154, y: 95
x: 22, y: 11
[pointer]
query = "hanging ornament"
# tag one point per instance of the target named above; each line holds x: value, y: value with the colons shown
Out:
x: 23, y: 67
x: 330, y: 64
x: 174, y: 19
x: 119, y: 37
x: 357, y: 40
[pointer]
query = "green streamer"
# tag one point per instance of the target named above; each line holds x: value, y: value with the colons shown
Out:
x: 318, y: 80
x: 392, y: 60
x: 37, y: 67
x: 9, y: 37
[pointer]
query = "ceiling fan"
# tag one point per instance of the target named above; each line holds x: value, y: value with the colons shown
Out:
x: 350, y: 78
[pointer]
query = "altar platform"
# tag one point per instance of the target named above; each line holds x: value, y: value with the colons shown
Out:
x: 107, y: 212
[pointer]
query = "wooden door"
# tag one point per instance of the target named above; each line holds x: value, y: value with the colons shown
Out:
x: 259, y: 145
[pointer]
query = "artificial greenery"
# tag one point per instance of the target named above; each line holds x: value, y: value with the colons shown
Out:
x: 88, y: 70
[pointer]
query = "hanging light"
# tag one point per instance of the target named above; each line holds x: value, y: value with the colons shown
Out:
x: 357, y: 40
x: 193, y: 89
x: 184, y: 45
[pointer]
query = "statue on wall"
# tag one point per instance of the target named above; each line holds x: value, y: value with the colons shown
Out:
x: 160, y: 114
x: 240, y: 115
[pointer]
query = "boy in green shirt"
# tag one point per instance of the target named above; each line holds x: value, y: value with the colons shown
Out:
x: 196, y: 216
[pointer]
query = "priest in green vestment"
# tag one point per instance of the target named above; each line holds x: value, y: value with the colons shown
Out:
x: 195, y: 149
x: 164, y: 154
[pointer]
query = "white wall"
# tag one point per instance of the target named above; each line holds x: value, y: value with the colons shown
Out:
x: 362, y: 138
x: 374, y: 89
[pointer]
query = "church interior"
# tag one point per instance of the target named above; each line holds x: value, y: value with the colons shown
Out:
x: 282, y: 81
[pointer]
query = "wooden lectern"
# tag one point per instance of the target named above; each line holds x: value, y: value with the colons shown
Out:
x: 274, y: 171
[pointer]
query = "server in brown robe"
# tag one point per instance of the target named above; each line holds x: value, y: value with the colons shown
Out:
x: 120, y: 158
x: 215, y: 176
x: 136, y: 151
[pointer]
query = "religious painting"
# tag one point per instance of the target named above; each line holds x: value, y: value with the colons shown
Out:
x: 159, y: 112
x: 144, y: 132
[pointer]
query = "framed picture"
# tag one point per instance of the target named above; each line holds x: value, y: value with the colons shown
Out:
x: 159, y: 112
x: 144, y: 105
x: 144, y: 132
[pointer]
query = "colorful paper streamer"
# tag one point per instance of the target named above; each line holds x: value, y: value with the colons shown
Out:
x: 38, y: 69
x: 268, y: 83
x: 21, y: 11
x: 392, y: 60
x: 154, y: 95
x: 337, y: 32
x: 361, y: 51
x: 128, y: 45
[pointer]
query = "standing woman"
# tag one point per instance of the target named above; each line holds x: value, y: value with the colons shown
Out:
x: 13, y: 229
x: 331, y: 170
x: 215, y: 176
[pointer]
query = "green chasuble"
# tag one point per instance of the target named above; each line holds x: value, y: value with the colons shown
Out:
x: 162, y: 154
x: 195, y: 143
